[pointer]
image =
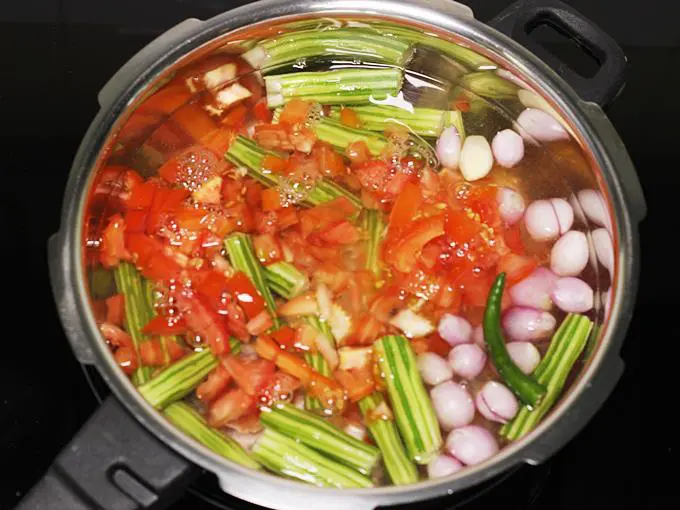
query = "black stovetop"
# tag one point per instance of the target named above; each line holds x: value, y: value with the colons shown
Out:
x: 56, y: 56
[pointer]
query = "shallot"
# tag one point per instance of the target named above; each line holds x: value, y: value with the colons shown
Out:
x: 541, y: 126
x: 593, y: 206
x: 534, y: 290
x: 476, y: 158
x: 448, y: 147
x: 471, y: 444
x: 508, y: 148
x: 467, y: 360
x: 452, y: 404
x: 443, y: 465
x: 573, y: 295
x: 454, y: 329
x: 433, y: 368
x: 527, y: 324
x: 510, y: 205
x: 569, y: 255
x: 604, y: 248
x: 496, y: 402
x: 525, y: 355
x: 547, y: 219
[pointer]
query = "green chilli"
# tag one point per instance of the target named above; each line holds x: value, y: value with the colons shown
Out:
x: 566, y: 347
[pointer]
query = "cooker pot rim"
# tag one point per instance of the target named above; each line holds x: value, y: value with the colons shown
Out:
x: 233, y: 476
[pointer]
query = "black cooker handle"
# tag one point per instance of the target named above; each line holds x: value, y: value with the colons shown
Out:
x: 112, y: 463
x: 520, y: 18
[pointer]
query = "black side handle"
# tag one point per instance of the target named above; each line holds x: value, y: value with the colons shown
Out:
x: 518, y: 20
x: 112, y: 463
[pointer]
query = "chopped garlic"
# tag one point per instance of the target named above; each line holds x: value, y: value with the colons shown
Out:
x: 219, y: 76
x: 232, y: 94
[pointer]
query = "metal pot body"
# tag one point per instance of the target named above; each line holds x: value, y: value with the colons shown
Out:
x: 191, y: 38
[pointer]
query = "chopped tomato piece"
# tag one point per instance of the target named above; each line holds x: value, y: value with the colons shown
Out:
x: 405, y: 207
x: 235, y: 117
x: 358, y: 383
x: 142, y: 196
x: 260, y: 323
x: 516, y: 267
x: 113, y: 242
x: 126, y: 357
x: 167, y: 99
x: 358, y: 153
x: 194, y: 120
x: 204, y: 322
x: 350, y: 118
x: 271, y: 199
x: 161, y: 267
x: 285, y: 336
x: 231, y: 189
x: 136, y: 220
x: 461, y: 103
x: 273, y: 136
x: 231, y: 406
x: 267, y: 348
x: 267, y: 248
x: 368, y: 329
x: 280, y: 387
x: 175, y: 350
x: 476, y: 288
x: 115, y: 309
x: 513, y: 239
x: 218, y: 140
x: 295, y: 112
x: 151, y: 353
x: 261, y: 111
x: 482, y: 200
x: 330, y: 162
x: 245, y: 293
x: 373, y: 175
x: 116, y: 336
x: 341, y: 233
x: 404, y: 255
x: 274, y: 163
x: 254, y: 192
x: 437, y: 344
x: 162, y: 325
x: 324, y: 215
x: 217, y: 382
x: 192, y: 167
x: 449, y: 297
x: 141, y: 247
x: 251, y: 375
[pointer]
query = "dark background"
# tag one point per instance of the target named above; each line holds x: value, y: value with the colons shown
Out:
x: 56, y: 55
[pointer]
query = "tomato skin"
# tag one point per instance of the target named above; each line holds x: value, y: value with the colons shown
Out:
x: 329, y: 161
x: 358, y: 383
x: 350, y: 118
x: 373, y: 175
x: 281, y: 387
x: 274, y: 163
x: 340, y: 233
x: 285, y: 336
x: 322, y: 216
x: 115, y: 309
x: 271, y: 199
x: 231, y: 406
x: 116, y: 336
x: 151, y: 353
x: 162, y: 325
x: 217, y: 382
x: 513, y: 239
x: 273, y: 136
x: 251, y: 375
x: 245, y: 293
x: 405, y: 207
x: 203, y: 321
x: 112, y: 249
x: 261, y: 112
x: 126, y: 358
x: 404, y: 255
x: 516, y: 267
x: 267, y: 248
